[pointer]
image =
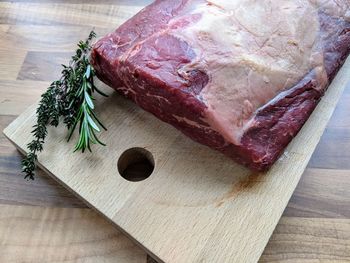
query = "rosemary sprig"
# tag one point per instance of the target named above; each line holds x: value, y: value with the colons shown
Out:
x: 86, y: 117
x: 70, y: 97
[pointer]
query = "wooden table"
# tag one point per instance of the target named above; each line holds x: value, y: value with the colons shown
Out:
x: 40, y: 221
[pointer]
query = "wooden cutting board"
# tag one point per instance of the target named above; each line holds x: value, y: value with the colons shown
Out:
x: 197, y: 205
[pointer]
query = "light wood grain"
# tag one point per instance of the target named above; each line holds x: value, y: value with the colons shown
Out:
x: 341, y: 113
x: 43, y: 38
x: 321, y: 194
x: 309, y: 240
x: 38, y: 65
x: 66, y: 14
x: 10, y: 63
x: 334, y: 152
x: 17, y: 95
x: 102, y: 2
x: 35, y: 234
x: 209, y: 209
x: 14, y: 190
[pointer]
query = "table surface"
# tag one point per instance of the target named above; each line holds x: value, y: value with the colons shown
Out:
x: 40, y: 221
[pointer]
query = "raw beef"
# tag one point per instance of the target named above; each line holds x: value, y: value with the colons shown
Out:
x: 241, y: 77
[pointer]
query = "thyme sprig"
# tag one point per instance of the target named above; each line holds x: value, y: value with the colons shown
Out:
x: 70, y: 97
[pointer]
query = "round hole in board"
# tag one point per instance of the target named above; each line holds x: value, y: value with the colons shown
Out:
x: 136, y: 164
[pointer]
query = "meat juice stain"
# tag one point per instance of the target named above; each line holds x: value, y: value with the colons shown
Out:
x: 248, y: 183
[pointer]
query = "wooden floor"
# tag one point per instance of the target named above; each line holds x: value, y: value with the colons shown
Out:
x: 35, y: 38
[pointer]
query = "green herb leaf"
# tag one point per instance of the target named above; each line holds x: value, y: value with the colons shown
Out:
x: 88, y: 100
x: 70, y: 97
x: 92, y: 123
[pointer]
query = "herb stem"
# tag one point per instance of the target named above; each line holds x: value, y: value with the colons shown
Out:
x: 70, y: 97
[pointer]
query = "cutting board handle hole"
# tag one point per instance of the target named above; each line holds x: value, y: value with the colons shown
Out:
x: 136, y: 164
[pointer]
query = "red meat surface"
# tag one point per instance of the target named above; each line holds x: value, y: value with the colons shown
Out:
x: 241, y: 79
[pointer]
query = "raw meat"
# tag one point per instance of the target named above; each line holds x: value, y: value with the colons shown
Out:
x: 241, y: 77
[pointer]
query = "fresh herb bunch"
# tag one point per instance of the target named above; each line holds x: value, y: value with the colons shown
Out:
x: 70, y: 97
